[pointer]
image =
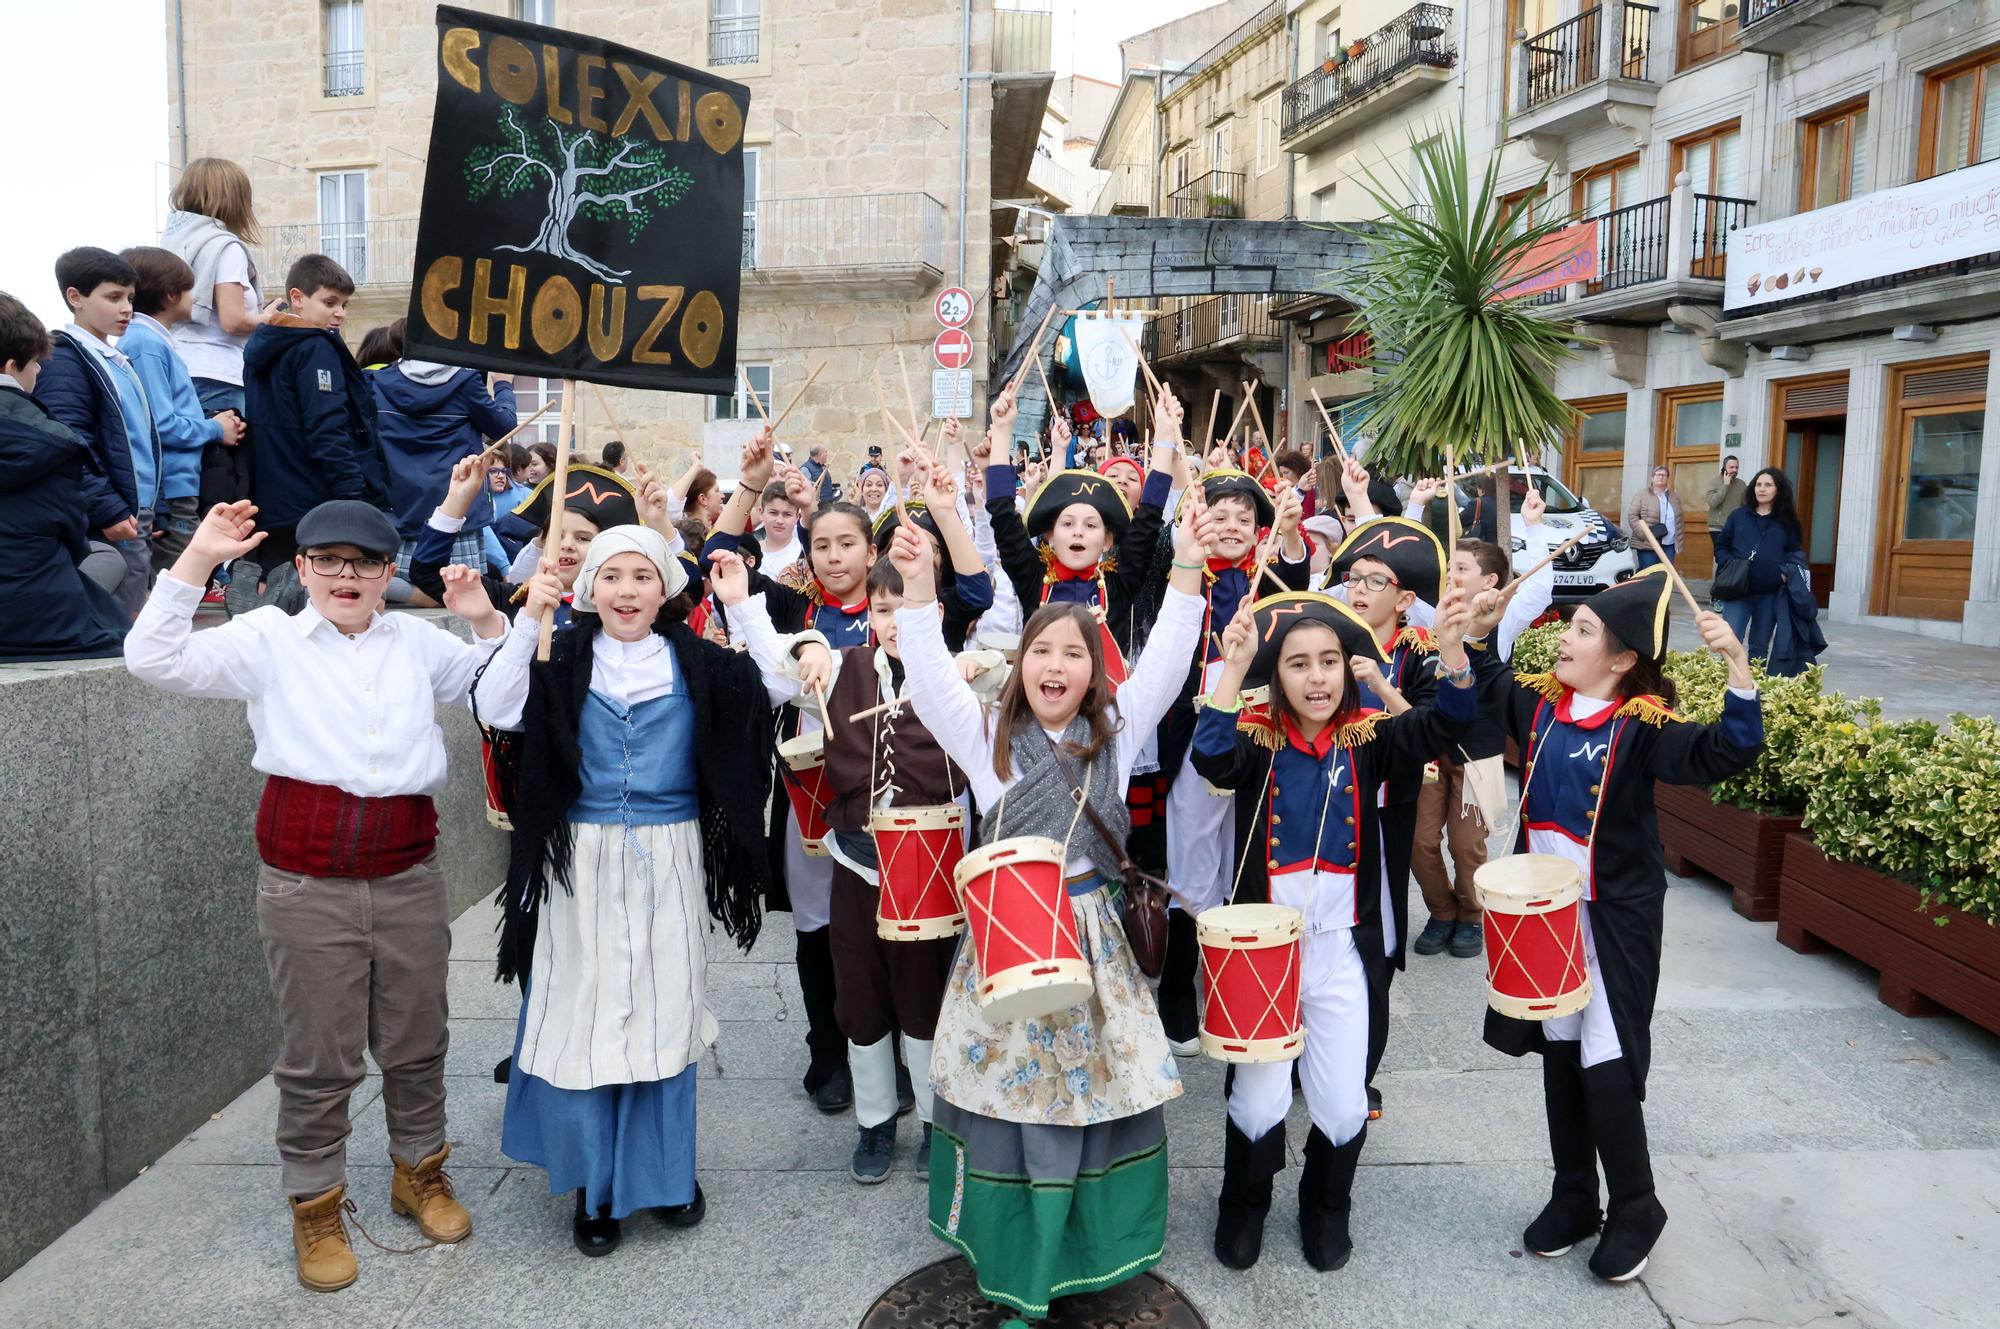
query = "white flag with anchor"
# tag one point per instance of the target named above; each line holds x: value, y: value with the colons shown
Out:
x: 1107, y: 350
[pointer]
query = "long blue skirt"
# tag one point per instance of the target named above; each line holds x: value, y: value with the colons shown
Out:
x: 630, y: 1146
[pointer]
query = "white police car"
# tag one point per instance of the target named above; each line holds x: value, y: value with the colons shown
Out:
x: 1602, y: 558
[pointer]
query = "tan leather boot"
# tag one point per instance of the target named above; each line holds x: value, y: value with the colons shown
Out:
x: 424, y: 1193
x: 326, y: 1261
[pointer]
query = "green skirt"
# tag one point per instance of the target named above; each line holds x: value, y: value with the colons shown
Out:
x: 1049, y: 1211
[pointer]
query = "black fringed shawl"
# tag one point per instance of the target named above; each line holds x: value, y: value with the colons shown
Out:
x: 733, y: 755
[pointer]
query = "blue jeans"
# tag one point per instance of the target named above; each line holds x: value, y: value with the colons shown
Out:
x: 1645, y: 553
x: 1753, y: 618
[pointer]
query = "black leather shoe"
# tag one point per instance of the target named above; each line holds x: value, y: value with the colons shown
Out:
x: 596, y: 1235
x: 685, y: 1215
x: 835, y: 1093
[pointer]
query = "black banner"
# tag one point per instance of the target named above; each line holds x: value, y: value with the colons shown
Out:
x: 583, y: 211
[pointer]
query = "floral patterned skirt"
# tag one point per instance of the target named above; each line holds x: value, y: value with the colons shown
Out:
x: 1091, y: 1063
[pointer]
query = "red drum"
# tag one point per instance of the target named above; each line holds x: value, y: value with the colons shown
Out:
x: 1535, y: 965
x: 805, y: 785
x: 1023, y: 930
x: 917, y: 850
x: 500, y: 763
x: 1250, y: 969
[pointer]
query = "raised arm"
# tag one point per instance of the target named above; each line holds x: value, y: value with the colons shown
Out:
x: 1018, y: 560
x: 500, y: 692
x: 1701, y: 754
x: 1157, y: 676
x: 943, y: 700
x: 791, y: 666
x: 164, y: 650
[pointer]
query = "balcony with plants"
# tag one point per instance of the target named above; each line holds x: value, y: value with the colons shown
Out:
x: 1600, y: 67
x: 1210, y: 196
x: 1370, y: 76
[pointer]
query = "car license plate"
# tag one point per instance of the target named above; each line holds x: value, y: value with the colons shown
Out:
x: 1575, y: 579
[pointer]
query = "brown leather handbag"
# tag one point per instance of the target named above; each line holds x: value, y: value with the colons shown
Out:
x: 1142, y: 899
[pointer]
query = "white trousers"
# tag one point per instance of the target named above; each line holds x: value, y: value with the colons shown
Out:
x: 808, y: 880
x: 1591, y: 1026
x: 1333, y: 1069
x: 1201, y: 839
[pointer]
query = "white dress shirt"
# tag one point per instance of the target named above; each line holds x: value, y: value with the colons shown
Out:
x: 354, y: 710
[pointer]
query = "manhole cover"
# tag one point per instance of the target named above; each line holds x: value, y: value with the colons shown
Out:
x: 944, y: 1296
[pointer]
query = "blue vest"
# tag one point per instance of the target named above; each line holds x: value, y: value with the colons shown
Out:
x: 840, y: 628
x: 1302, y: 806
x: 1569, y: 762
x: 1225, y: 593
x: 638, y: 763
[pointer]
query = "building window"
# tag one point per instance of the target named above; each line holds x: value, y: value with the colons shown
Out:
x: 732, y: 31
x: 1523, y: 206
x: 1690, y: 447
x: 1593, y: 454
x: 753, y: 193
x: 1267, y: 134
x: 530, y: 395
x: 1962, y: 115
x: 1322, y: 201
x: 536, y: 11
x: 1713, y: 160
x: 1183, y: 168
x: 1596, y: 195
x: 1709, y: 31
x: 343, y: 221
x: 737, y: 405
x: 1219, y: 148
x: 1834, y: 167
x: 1329, y: 39
x: 344, y: 72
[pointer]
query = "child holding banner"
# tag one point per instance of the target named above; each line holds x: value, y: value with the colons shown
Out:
x: 645, y: 768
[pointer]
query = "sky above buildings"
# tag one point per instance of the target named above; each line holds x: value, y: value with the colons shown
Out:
x: 88, y: 163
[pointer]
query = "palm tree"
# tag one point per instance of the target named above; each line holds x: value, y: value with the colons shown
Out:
x: 1460, y: 371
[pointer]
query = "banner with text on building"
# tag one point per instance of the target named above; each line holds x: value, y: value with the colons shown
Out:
x: 1940, y: 220
x: 583, y: 211
x: 1561, y: 258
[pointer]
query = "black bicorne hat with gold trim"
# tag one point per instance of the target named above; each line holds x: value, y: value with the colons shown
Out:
x: 604, y: 496
x: 1635, y: 611
x: 1409, y: 548
x: 1067, y: 487
x: 1231, y: 483
x: 885, y: 525
x: 1276, y: 616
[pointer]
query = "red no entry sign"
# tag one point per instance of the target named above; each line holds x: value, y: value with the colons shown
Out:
x: 952, y: 349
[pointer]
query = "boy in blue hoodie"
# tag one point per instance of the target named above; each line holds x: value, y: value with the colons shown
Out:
x: 162, y: 296
x: 429, y: 416
x: 316, y: 437
x: 91, y: 387
x: 48, y: 609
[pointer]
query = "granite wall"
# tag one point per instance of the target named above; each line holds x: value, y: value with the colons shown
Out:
x: 133, y: 999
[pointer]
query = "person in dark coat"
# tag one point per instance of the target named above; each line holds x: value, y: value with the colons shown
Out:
x: 430, y: 415
x: 1766, y: 531
x: 50, y: 610
x: 1595, y: 734
x: 316, y: 436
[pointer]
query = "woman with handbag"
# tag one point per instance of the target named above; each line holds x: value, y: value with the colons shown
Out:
x: 1758, y: 540
x: 1049, y: 1144
x: 1307, y: 776
x: 1659, y: 507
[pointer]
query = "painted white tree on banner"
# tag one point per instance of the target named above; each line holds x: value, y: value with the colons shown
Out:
x: 581, y: 174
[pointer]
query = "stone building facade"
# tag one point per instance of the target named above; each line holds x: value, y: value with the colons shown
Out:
x: 855, y: 212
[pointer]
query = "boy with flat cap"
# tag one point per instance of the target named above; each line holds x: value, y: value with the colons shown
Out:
x: 350, y: 903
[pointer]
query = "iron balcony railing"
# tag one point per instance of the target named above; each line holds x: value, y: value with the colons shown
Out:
x: 1209, y: 195
x: 344, y: 74
x: 375, y: 253
x: 1235, y: 37
x: 1714, y: 218
x: 1051, y: 178
x: 732, y: 40
x: 1127, y: 186
x: 849, y: 230
x: 1753, y: 10
x: 1570, y: 55
x: 1215, y: 321
x: 1421, y: 37
x: 1634, y: 243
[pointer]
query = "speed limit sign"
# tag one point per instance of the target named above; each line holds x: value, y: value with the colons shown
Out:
x: 953, y: 307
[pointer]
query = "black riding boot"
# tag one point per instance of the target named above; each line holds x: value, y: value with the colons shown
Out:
x: 1633, y: 1214
x: 1326, y: 1196
x: 1247, y: 1169
x: 827, y: 1078
x: 1571, y: 1213
x: 1179, y: 1015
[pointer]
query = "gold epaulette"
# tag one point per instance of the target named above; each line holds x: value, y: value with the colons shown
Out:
x: 1545, y: 684
x: 1651, y: 710
x: 799, y: 578
x: 1356, y: 732
x: 1418, y: 640
x: 1048, y: 555
x: 1260, y: 728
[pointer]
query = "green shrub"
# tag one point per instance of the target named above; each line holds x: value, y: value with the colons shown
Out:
x: 1535, y: 648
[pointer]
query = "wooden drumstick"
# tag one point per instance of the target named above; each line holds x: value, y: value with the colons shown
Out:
x: 507, y: 437
x: 559, y: 486
x: 1551, y: 557
x: 796, y: 396
x: 826, y: 715
x: 1335, y: 433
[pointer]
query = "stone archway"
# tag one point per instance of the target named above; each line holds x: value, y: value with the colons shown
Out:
x: 1159, y: 256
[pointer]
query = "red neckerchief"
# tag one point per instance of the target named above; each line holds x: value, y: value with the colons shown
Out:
x: 1060, y: 571
x: 1597, y: 721
x: 1245, y: 565
x: 827, y: 601
x: 1318, y: 746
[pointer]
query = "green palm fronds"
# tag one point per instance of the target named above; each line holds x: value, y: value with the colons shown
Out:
x: 1456, y: 366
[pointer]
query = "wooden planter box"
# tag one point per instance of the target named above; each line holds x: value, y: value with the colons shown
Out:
x: 1882, y: 922
x: 1745, y: 849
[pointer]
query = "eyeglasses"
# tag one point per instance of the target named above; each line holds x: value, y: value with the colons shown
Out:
x: 1374, y: 581
x: 332, y: 565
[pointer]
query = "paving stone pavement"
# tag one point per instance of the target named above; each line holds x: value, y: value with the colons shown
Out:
x: 1825, y: 1162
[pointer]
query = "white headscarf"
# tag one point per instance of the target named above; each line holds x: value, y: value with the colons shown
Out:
x: 616, y: 540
